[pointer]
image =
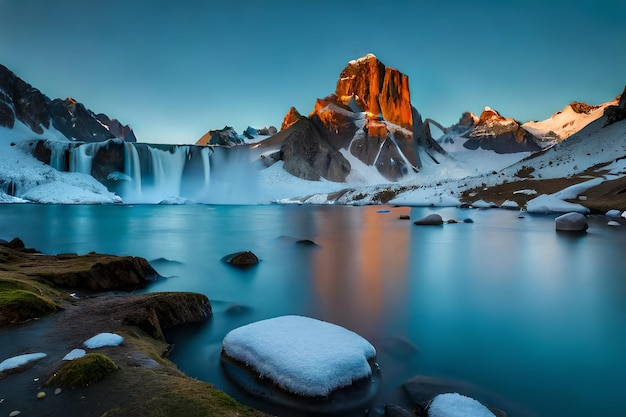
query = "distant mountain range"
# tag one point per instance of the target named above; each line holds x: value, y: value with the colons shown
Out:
x: 365, y: 134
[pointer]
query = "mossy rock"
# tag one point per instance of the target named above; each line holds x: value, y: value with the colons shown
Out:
x: 83, y: 371
x: 17, y: 306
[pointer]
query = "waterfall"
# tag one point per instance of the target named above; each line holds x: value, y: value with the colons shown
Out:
x: 132, y: 169
x: 167, y: 169
x: 81, y: 157
x: 153, y: 173
x: 57, y: 155
x: 206, y: 164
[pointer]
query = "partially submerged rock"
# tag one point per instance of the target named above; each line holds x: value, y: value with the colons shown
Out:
x: 241, y: 259
x: 457, y: 405
x: 303, y: 364
x: 571, y: 222
x: 430, y: 220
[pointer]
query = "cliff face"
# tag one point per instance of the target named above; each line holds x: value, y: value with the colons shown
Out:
x: 377, y: 89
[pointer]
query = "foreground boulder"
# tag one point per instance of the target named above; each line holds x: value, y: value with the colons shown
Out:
x: 156, y: 312
x: 303, y: 363
x: 571, y: 222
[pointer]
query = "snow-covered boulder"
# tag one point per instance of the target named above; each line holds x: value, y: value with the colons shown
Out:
x: 457, y: 405
x: 430, y: 220
x: 571, y: 222
x: 21, y: 360
x: 613, y: 223
x: 304, y: 356
x: 104, y: 339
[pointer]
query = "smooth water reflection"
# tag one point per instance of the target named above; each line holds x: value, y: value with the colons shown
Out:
x: 532, y: 317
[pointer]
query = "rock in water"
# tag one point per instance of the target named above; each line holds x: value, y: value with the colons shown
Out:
x: 571, y: 222
x: 430, y: 220
x: 242, y: 259
x: 305, y: 357
x: 457, y: 405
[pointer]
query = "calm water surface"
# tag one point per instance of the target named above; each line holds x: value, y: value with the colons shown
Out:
x: 533, y: 319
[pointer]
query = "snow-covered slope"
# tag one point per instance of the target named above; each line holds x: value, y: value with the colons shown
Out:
x: 568, y: 121
x: 23, y: 178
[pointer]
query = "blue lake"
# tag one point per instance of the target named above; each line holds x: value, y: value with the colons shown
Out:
x: 534, y: 319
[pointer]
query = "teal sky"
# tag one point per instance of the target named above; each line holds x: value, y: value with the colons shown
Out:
x: 175, y: 69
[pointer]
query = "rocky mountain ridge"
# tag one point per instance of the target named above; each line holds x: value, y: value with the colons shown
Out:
x: 21, y: 101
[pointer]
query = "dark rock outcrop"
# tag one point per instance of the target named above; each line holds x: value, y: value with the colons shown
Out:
x: 243, y: 259
x: 499, y: 134
x: 19, y: 100
x: 307, y: 153
x: 97, y: 272
x: 616, y: 113
x: 156, y: 312
x: 429, y: 220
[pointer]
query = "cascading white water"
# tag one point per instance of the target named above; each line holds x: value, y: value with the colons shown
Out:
x: 132, y: 168
x: 81, y: 157
x: 206, y: 164
x: 168, y: 173
x: 167, y: 170
x: 57, y: 154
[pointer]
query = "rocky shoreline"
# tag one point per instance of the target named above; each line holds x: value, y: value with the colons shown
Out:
x: 146, y: 382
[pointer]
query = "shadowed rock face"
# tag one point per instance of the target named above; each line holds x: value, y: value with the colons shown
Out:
x: 377, y: 89
x: 616, y: 113
x: 76, y: 122
x: 19, y: 100
x: 308, y: 154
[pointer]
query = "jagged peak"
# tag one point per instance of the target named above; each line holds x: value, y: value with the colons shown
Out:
x: 292, y: 116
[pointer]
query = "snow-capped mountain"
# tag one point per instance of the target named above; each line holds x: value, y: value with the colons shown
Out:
x: 363, y: 132
x: 563, y: 124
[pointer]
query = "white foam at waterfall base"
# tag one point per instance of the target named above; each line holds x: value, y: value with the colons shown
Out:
x: 232, y: 179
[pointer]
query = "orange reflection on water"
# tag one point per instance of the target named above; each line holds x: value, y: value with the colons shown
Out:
x: 355, y: 272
